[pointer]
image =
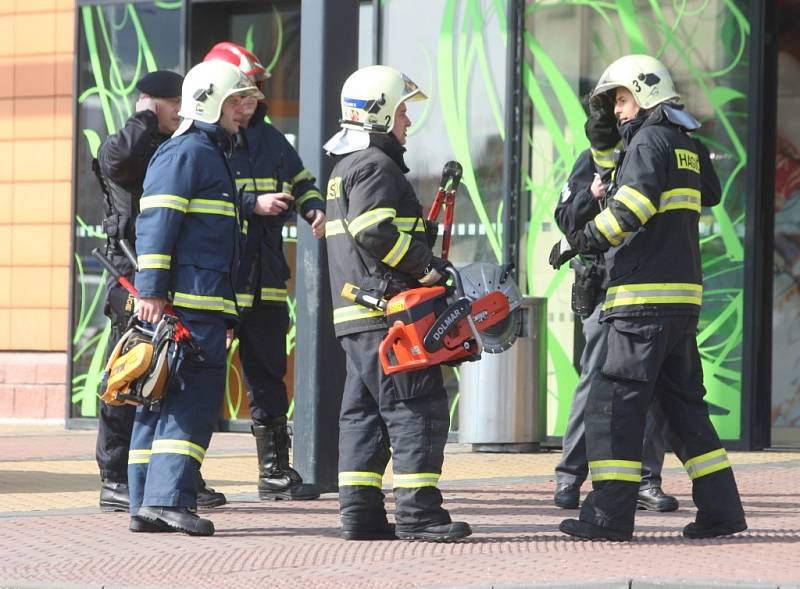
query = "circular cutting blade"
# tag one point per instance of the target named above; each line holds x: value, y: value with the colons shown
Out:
x: 481, y: 278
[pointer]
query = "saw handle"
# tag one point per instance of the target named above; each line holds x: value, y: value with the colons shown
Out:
x: 397, y: 334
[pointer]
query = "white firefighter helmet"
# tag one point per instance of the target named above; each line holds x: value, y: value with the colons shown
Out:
x: 644, y: 76
x: 370, y: 97
x: 206, y: 87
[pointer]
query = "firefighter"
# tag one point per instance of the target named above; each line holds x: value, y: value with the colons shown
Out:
x: 274, y: 184
x: 378, y: 240
x: 650, y: 234
x: 120, y: 166
x: 581, y: 199
x: 188, y: 238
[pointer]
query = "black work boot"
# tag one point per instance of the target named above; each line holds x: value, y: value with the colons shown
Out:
x: 588, y: 531
x: 276, y: 479
x: 435, y: 532
x: 385, y: 531
x: 654, y: 499
x: 698, y: 531
x: 208, y: 497
x: 114, y: 496
x: 567, y: 496
x: 178, y: 519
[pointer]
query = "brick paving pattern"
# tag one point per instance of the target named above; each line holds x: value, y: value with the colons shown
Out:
x: 52, y: 535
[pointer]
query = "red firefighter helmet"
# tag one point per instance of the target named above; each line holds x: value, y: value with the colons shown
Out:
x: 242, y: 58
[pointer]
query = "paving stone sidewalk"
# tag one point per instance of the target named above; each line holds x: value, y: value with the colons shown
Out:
x: 52, y: 535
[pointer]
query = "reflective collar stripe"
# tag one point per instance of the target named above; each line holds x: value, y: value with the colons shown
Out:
x: 680, y: 198
x: 303, y: 174
x: 616, y: 470
x: 244, y: 299
x: 398, y: 250
x: 707, y: 463
x: 211, y: 207
x: 354, y: 313
x: 274, y: 294
x: 306, y: 196
x: 603, y: 157
x: 184, y: 447
x: 165, y: 201
x: 608, y: 225
x: 360, y: 479
x: 416, y: 480
x: 260, y: 184
x: 407, y: 224
x: 637, y: 202
x: 653, y: 294
x: 335, y: 227
x: 370, y: 218
x: 139, y: 456
x: 204, y: 303
x: 154, y: 261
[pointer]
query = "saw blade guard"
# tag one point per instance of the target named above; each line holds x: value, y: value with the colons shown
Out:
x: 481, y: 278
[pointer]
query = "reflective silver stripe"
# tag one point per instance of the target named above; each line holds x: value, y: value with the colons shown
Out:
x: 166, y: 201
x: 245, y: 299
x: 637, y: 202
x: 303, y: 174
x: 139, y: 456
x: 616, y: 470
x: 306, y: 196
x: 408, y: 223
x: 274, y: 294
x: 398, y: 250
x: 707, y: 463
x: 256, y: 184
x: 211, y: 207
x: 205, y: 303
x: 335, y: 227
x: 603, y: 157
x: 680, y: 198
x: 360, y: 479
x: 608, y: 225
x: 154, y: 261
x: 370, y: 218
x: 416, y: 480
x: 184, y: 447
x: 354, y: 313
x: 666, y: 293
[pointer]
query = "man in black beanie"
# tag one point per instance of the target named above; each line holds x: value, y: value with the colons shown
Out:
x: 120, y: 166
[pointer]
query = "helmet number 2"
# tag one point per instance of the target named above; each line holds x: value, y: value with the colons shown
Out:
x: 637, y: 86
x: 388, y: 119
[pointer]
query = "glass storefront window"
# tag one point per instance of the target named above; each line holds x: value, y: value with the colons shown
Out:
x: 704, y: 44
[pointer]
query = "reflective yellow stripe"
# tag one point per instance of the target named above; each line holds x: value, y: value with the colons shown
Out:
x: 407, y: 224
x: 185, y: 447
x: 358, y: 478
x: 604, y: 158
x: 244, y: 299
x: 608, y: 225
x: 303, y: 174
x: 398, y: 250
x: 204, y: 303
x: 157, y: 261
x: 335, y: 227
x: 616, y: 470
x: 680, y: 198
x: 370, y: 218
x: 211, y: 207
x: 164, y: 201
x: 637, y: 202
x: 308, y: 195
x: 659, y: 293
x: 139, y: 456
x: 256, y: 184
x: 245, y: 226
x: 705, y: 464
x: 274, y: 294
x: 416, y: 480
x: 354, y: 313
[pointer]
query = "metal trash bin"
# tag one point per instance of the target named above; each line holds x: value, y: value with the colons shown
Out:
x: 502, y: 397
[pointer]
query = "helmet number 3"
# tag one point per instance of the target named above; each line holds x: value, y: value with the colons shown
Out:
x: 636, y: 85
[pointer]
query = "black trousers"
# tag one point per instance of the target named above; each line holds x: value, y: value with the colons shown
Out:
x: 115, y: 424
x: 647, y: 356
x: 262, y: 349
x: 407, y: 412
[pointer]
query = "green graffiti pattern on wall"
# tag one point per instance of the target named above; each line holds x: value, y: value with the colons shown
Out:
x: 108, y: 87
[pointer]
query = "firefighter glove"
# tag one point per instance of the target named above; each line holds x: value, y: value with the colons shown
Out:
x: 601, y: 126
x: 562, y: 252
x: 435, y: 272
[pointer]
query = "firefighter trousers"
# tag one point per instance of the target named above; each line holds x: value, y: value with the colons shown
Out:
x: 648, y: 356
x: 262, y: 350
x: 408, y: 412
x: 168, y: 445
x: 573, y: 468
x: 115, y: 423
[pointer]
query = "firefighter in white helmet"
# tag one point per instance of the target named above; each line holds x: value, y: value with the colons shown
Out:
x: 187, y: 238
x: 649, y: 233
x: 378, y: 240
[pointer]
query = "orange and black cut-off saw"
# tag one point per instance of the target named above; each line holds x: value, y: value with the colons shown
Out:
x: 477, y: 311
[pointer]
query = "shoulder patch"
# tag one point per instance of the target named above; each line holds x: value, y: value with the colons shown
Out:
x: 687, y: 160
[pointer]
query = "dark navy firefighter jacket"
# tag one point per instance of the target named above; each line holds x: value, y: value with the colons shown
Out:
x: 264, y: 161
x: 188, y: 234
